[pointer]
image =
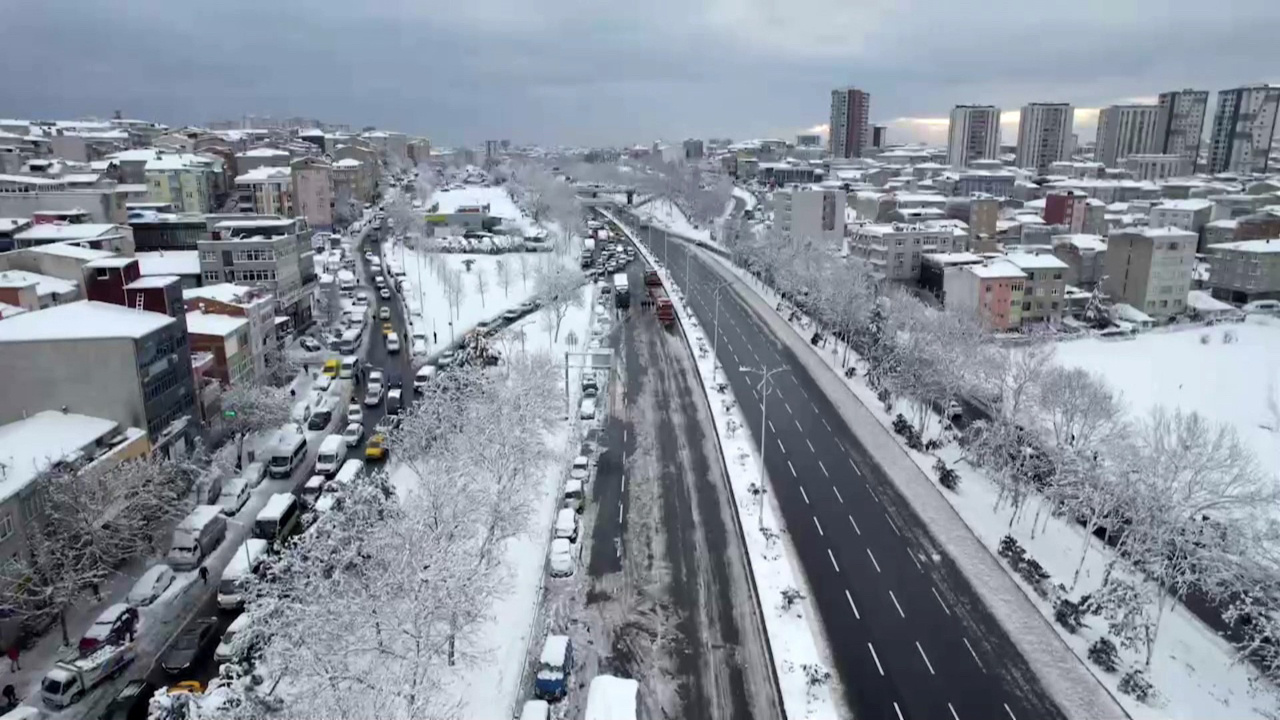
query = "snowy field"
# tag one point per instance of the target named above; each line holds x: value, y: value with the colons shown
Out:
x: 793, y: 639
x: 666, y: 215
x: 497, y: 198
x: 1195, y: 673
x: 1236, y: 383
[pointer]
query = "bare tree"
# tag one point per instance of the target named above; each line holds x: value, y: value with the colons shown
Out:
x: 249, y: 408
x: 558, y: 288
x: 454, y: 291
x: 482, y: 284
x: 504, y: 276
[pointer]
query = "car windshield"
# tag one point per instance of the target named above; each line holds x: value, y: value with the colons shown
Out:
x: 52, y: 686
x: 188, y: 640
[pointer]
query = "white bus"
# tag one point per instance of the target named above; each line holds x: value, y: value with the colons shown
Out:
x: 243, y: 564
x: 611, y: 698
x: 350, y: 342
x: 346, y: 280
x: 277, y: 519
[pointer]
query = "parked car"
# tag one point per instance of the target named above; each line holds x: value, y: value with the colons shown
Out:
x: 567, y: 524
x: 190, y: 643
x: 111, y: 627
x: 511, y: 315
x: 562, y: 560
x: 581, y: 465
x: 574, y: 499
x: 373, y: 395
x: 384, y: 293
x: 151, y: 585
x: 353, y: 434
x: 254, y: 472
x: 384, y: 313
x: 235, y: 493
x: 355, y: 413
x: 323, y: 383
x: 309, y: 344
x: 587, y: 408
x: 423, y: 377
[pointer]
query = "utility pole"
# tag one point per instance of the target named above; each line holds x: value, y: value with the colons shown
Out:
x: 715, y: 331
x: 766, y: 373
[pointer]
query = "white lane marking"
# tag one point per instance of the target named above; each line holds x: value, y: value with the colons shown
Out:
x: 953, y: 712
x: 833, y: 560
x: 815, y: 522
x: 824, y: 421
x: 797, y: 422
x: 780, y: 446
x: 873, y: 493
x: 624, y: 484
x: 806, y: 394
x: 891, y: 523
x: 876, y: 658
x: 619, y: 512
x: 824, y: 467
x: 926, y: 660
x: 775, y: 432
x: 806, y: 442
x: 873, y: 557
x: 855, y: 525
x: 914, y: 560
x: 895, y: 709
x: 944, y: 606
x: 849, y: 597
x: 784, y: 402
x: 802, y: 492
x: 975, y: 655
x: 793, y: 470
x: 894, y: 598
x: 1011, y: 715
x: 855, y: 467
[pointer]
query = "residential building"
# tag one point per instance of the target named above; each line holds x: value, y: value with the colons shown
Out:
x: 266, y: 190
x: 992, y: 292
x: 1243, y: 127
x: 183, y: 181
x: 973, y: 134
x: 9, y: 227
x: 850, y: 135
x: 261, y: 157
x: 693, y: 149
x: 810, y: 214
x: 996, y: 183
x: 983, y: 214
x: 808, y: 140
x: 109, y: 361
x: 935, y: 266
x: 33, y: 291
x: 1149, y: 166
x: 1046, y: 286
x: 1191, y: 215
x: 1258, y: 226
x: 894, y: 250
x: 1244, y: 271
x: 313, y: 192
x: 183, y: 264
x: 1066, y: 207
x: 879, y: 136
x: 99, y: 236
x: 167, y: 231
x: 1150, y: 269
x: 226, y: 338
x: 255, y: 304
x: 1219, y: 231
x: 274, y: 253
x: 350, y: 190
x: 1044, y: 135
x: 1085, y: 256
x: 1180, y: 125
x: 28, y: 196
x: 1125, y: 130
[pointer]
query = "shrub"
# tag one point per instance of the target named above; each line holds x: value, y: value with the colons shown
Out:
x: 885, y: 397
x: 901, y: 425
x: 1135, y: 683
x: 1034, y: 575
x: 1012, y: 551
x: 932, y: 445
x: 1103, y: 654
x: 1068, y: 615
x: 947, y: 477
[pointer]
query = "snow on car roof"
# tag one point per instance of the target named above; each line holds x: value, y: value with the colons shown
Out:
x: 276, y: 506
x: 611, y: 698
x: 555, y: 650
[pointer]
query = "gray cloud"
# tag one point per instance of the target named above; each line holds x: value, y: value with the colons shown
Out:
x: 582, y: 71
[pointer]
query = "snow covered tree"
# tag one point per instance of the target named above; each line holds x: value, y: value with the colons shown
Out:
x: 250, y: 407
x: 454, y: 291
x: 503, y: 271
x: 525, y: 269
x: 482, y: 284
x: 558, y: 288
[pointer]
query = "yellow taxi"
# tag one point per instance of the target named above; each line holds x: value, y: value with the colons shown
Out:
x: 187, y: 686
x: 331, y: 367
x: 387, y: 329
x: 376, y: 449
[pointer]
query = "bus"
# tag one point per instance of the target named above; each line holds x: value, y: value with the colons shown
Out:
x: 350, y: 342
x: 277, y: 519
x: 346, y: 280
x: 621, y: 291
x: 611, y: 698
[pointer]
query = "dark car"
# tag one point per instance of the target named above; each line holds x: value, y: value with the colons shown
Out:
x: 309, y: 344
x: 190, y: 643
x: 131, y: 702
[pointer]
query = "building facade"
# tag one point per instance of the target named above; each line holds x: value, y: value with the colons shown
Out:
x: 161, y: 231
x: 1154, y: 166
x: 850, y: 134
x: 810, y: 214
x: 265, y: 190
x: 1244, y: 271
x: 1044, y: 135
x: 895, y: 250
x: 1180, y: 124
x: 226, y: 339
x: 313, y: 192
x: 1043, y: 298
x: 254, y: 304
x: 273, y: 253
x: 1150, y: 269
x: 1244, y: 124
x: 1085, y: 256
x: 1068, y: 208
x: 182, y: 181
x: 973, y: 134
x: 992, y: 292
x: 1125, y: 130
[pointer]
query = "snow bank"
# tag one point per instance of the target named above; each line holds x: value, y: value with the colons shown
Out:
x: 793, y: 639
x: 747, y: 197
x: 665, y: 214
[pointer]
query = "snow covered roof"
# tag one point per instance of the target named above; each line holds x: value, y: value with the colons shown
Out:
x: 84, y: 320
x: 178, y: 161
x: 347, y: 163
x: 1230, y: 224
x: 262, y: 152
x: 228, y: 293
x: 264, y: 173
x: 33, y: 444
x: 152, y: 281
x: 554, y: 650
x: 203, y: 323
x: 115, y: 261
x: 169, y: 262
x: 1159, y: 232
x: 996, y: 270
x: 953, y: 258
x: 273, y: 222
x: 1190, y: 205
x: 1129, y: 313
x: 45, y: 284
x: 1206, y: 303
x: 56, y: 232
x: 1082, y: 241
x: 8, y: 225
x: 1027, y: 261
x: 72, y: 251
x: 1249, y: 246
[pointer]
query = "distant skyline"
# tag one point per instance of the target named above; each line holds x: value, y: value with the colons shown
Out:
x: 580, y: 72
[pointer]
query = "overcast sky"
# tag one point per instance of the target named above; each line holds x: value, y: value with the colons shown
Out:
x: 609, y: 72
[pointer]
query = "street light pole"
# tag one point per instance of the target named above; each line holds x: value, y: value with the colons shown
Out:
x: 715, y: 331
x: 766, y: 374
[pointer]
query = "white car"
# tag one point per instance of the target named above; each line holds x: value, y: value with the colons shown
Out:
x: 384, y: 313
x: 393, y: 343
x: 151, y: 585
x: 235, y: 493
x: 587, y: 409
x: 373, y: 396
x: 353, y: 434
x: 254, y: 472
x: 384, y: 293
x: 355, y: 414
x: 580, y: 467
x: 562, y: 560
x: 368, y: 256
x: 323, y: 383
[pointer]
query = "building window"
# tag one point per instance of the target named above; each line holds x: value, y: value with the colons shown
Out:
x: 208, y: 256
x: 1026, y: 307
x: 255, y: 255
x: 102, y: 273
x: 211, y: 276
x: 6, y: 526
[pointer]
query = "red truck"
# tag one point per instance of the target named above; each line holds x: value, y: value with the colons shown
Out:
x: 661, y: 304
x: 651, y: 278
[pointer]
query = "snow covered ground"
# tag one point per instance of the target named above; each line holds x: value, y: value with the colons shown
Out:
x: 747, y: 196
x: 497, y: 198
x: 792, y: 637
x: 1236, y: 383
x: 1195, y: 672
x: 666, y: 215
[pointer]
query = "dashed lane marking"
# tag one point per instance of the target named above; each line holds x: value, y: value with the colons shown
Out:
x: 837, y: 492
x: 953, y: 710
x: 876, y: 658
x: 853, y: 607
x: 873, y: 493
x: 894, y: 598
x: 1011, y: 715
x: 892, y: 525
x: 873, y: 557
x: 855, y: 526
x: 833, y: 560
x: 824, y: 467
x: 780, y: 444
x: 803, y: 494
x: 819, y: 526
x: 928, y: 664
x: 975, y: 656
x: 793, y: 474
x: 784, y: 402
x: 797, y: 422
x: 897, y: 710
x: 944, y: 607
x: 824, y: 421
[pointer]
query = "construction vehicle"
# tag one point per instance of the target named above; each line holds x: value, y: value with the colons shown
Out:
x: 662, y: 306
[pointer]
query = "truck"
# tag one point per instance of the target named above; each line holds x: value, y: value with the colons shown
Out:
x: 652, y: 278
x: 588, y: 245
x: 68, y: 681
x: 621, y: 291
x: 662, y: 306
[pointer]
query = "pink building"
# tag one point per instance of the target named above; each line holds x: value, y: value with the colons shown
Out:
x: 992, y: 292
x: 313, y: 192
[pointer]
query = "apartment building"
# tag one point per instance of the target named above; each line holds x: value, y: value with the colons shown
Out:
x: 1125, y: 130
x: 1191, y: 215
x: 183, y: 181
x: 1180, y: 125
x: 1085, y: 256
x: 810, y: 214
x: 261, y: 157
x: 266, y: 190
x: 1155, y: 166
x: 1044, y: 135
x: 894, y: 250
x: 154, y: 232
x: 226, y: 339
x: 850, y: 134
x: 973, y: 133
x: 1150, y: 268
x: 1068, y: 208
x: 313, y: 192
x: 1244, y: 271
x: 992, y: 292
x: 254, y: 304
x: 109, y: 361
x: 1043, y: 298
x: 274, y: 253
x: 1244, y: 125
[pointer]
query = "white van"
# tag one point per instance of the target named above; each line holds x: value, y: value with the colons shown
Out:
x: 235, y: 493
x: 196, y: 537
x: 277, y: 519
x: 288, y: 454
x: 243, y: 564
x: 393, y: 342
x: 535, y: 710
x: 349, y: 367
x: 350, y: 342
x: 333, y: 451
x: 223, y: 653
x: 349, y: 472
